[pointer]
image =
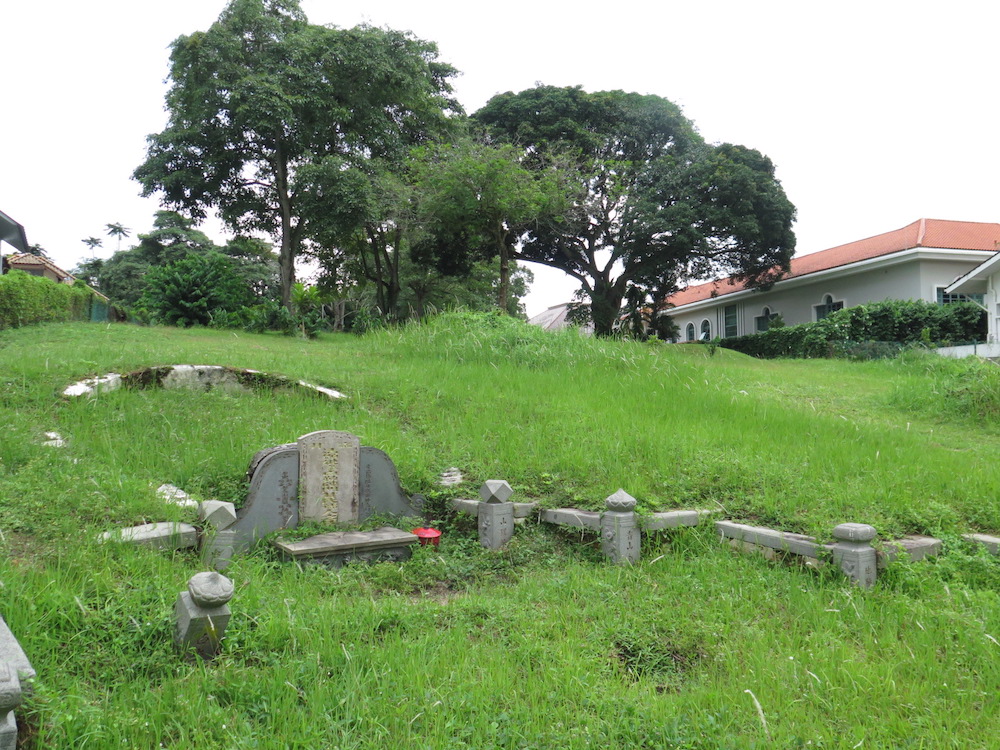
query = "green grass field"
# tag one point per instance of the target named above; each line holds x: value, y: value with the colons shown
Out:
x: 540, y: 645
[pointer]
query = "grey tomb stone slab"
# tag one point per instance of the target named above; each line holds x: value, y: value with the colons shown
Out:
x: 466, y: 506
x: 271, y: 504
x: 328, y: 477
x: 992, y: 543
x: 582, y: 519
x: 523, y: 510
x: 379, y: 490
x: 671, y: 519
x: 335, y: 548
x: 496, y: 524
x: 163, y: 535
x: 914, y: 546
x: 800, y: 544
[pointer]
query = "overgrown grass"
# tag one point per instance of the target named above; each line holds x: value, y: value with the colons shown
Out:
x: 542, y: 644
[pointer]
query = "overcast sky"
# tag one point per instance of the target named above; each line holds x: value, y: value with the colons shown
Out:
x: 875, y: 113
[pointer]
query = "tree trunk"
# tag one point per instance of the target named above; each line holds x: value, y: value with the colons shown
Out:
x: 286, y: 256
x: 605, y: 307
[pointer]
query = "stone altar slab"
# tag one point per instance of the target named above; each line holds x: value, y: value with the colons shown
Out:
x: 335, y: 548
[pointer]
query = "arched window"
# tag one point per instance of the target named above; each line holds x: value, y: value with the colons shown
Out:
x: 690, y: 332
x: 763, y: 321
x: 706, y: 330
x: 829, y: 306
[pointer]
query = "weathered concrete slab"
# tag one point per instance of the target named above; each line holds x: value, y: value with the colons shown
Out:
x: 202, y: 378
x: 164, y: 535
x: 470, y: 507
x: 583, y: 519
x: 450, y: 477
x: 524, y: 510
x: 913, y: 546
x: 335, y: 548
x: 329, y: 465
x: 992, y: 543
x: 110, y: 382
x: 12, y: 653
x: 800, y: 544
x: 379, y: 490
x: 271, y: 504
x: 175, y: 496
x: 671, y: 519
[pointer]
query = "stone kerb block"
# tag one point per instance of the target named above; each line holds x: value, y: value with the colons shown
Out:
x: 620, y: 535
x: 854, y: 553
x: 462, y: 505
x: 10, y: 698
x: 202, y: 614
x: 992, y: 543
x: 217, y: 514
x: 329, y: 467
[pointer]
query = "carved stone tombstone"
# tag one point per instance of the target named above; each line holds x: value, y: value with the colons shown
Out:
x: 496, y: 514
x: 328, y: 477
x: 620, y: 535
x: 271, y: 504
x: 379, y: 489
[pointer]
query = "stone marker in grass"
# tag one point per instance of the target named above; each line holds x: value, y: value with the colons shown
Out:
x: 202, y: 613
x: 620, y: 535
x: 496, y: 514
x: 335, y: 548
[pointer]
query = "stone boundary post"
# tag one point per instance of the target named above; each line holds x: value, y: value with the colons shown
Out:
x: 202, y: 613
x: 620, y: 535
x: 854, y: 553
x: 496, y: 514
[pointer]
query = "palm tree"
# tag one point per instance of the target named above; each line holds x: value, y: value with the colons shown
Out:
x: 92, y: 243
x: 119, y: 231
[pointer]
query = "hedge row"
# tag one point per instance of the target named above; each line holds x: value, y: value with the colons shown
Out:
x: 26, y: 299
x: 897, y: 322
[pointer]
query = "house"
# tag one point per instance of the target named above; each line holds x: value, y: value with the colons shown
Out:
x: 982, y: 283
x: 556, y: 318
x: 36, y: 265
x: 921, y: 261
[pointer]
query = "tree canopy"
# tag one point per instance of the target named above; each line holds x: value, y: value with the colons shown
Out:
x: 263, y: 99
x: 653, y: 205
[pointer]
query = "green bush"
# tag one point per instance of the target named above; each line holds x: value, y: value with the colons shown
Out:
x: 26, y: 299
x: 851, y: 332
x: 192, y: 290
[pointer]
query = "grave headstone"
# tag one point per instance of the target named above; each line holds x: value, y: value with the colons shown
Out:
x: 379, y: 489
x: 328, y: 477
x: 620, y: 535
x: 202, y: 613
x: 271, y: 504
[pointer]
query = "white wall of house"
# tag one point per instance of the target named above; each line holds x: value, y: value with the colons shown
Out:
x: 915, y: 275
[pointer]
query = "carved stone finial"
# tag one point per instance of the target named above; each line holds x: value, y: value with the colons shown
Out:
x: 854, y: 532
x: 210, y: 590
x: 620, y: 502
x: 495, y: 491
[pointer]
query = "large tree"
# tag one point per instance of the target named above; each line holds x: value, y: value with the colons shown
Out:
x: 263, y: 94
x: 654, y: 205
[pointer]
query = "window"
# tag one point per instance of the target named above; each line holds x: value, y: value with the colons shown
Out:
x: 950, y: 299
x: 828, y: 306
x: 706, y: 330
x: 731, y: 327
x: 763, y: 321
x: 689, y: 333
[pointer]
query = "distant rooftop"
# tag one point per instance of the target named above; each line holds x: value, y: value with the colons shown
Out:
x: 936, y: 233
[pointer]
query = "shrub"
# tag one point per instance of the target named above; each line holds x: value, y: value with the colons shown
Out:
x: 851, y: 332
x: 26, y: 299
x: 192, y: 290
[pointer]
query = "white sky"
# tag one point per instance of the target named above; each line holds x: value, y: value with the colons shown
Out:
x: 876, y: 113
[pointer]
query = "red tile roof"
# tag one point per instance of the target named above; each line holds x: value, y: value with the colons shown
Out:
x: 27, y: 259
x: 957, y: 235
